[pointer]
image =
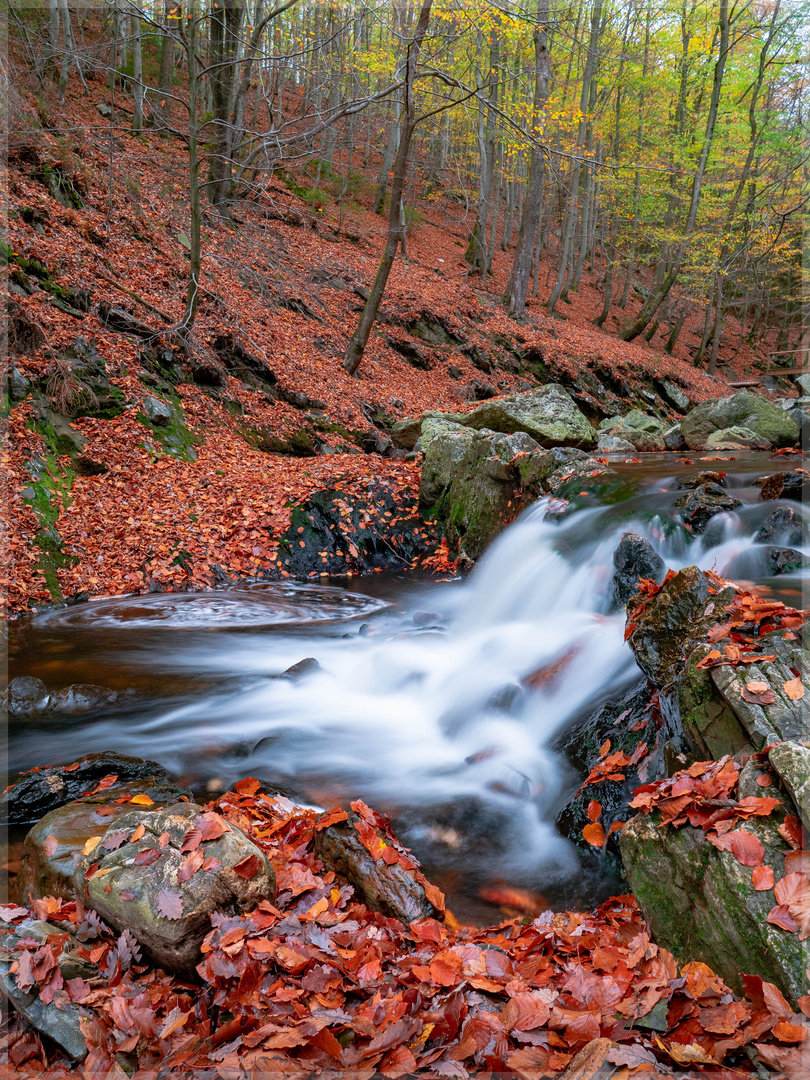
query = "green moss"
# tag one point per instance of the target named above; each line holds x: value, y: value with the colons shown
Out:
x: 47, y: 494
x: 174, y: 438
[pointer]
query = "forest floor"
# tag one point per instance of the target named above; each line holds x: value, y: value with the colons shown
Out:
x: 290, y: 295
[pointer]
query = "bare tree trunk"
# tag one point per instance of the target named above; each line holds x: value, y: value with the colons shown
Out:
x: 518, y: 287
x: 359, y: 340
x: 137, y: 75
x: 166, y: 75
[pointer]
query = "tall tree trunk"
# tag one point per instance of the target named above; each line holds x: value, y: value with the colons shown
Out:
x: 166, y: 72
x: 137, y: 75
x: 518, y: 286
x: 359, y: 340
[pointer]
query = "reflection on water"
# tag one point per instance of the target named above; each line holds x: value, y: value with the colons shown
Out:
x: 421, y: 705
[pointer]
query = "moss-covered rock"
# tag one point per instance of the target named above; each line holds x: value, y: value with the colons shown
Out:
x: 645, y: 433
x: 703, y: 502
x: 548, y: 414
x: 701, y: 903
x: 744, y: 410
x: 792, y: 762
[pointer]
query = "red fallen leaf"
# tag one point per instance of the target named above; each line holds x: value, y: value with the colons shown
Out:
x: 764, y: 780
x: 594, y: 834
x: 604, y: 748
x: 797, y: 862
x: 435, y: 896
x: 163, y: 839
x: 169, y: 904
x: 794, y: 689
x: 427, y: 930
x: 248, y: 867
x: 791, y: 830
x: 763, y: 878
x: 743, y: 845
x: 114, y: 840
x: 127, y: 894
x: 249, y: 786
x: 327, y: 1042
x: 780, y: 916
x: 90, y: 871
x: 139, y: 832
x: 49, y: 845
x: 212, y: 826
x: 793, y: 890
x: 804, y: 1004
x: 192, y: 839
x: 616, y: 826
x: 147, y: 857
x: 211, y: 864
x: 71, y: 768
x: 190, y: 865
x: 594, y: 810
x: 790, y: 1033
x: 331, y: 817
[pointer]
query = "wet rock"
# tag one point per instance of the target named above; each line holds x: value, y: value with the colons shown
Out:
x: 25, y: 695
x: 53, y: 847
x: 793, y: 485
x: 391, y: 890
x: 157, y: 412
x: 673, y: 438
x: 634, y: 558
x: 784, y: 526
x: 82, y: 698
x: 682, y: 882
x: 59, y: 1022
x: 708, y: 476
x: 674, y: 396
x: 304, y: 667
x: 736, y: 438
x: 700, y: 505
x: 405, y: 433
x: 71, y: 963
x: 783, y: 560
x: 168, y: 911
x: 18, y: 386
x: 743, y: 409
x: 792, y: 761
x: 715, y: 714
x: 672, y: 623
x: 378, y: 528
x: 646, y: 433
x: 38, y: 792
x: 612, y: 444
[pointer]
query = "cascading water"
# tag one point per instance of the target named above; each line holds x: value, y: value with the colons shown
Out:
x: 439, y: 708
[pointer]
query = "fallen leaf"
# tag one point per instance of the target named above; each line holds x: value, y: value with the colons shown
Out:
x: 142, y: 800
x: 91, y: 845
x: 169, y: 904
x: 794, y: 689
x: 49, y: 845
x: 594, y: 834
x: 248, y: 867
x: 763, y: 878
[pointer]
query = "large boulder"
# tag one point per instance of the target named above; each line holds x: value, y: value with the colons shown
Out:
x: 701, y: 504
x: 673, y: 438
x: 667, y: 627
x: 53, y: 847
x: 716, y: 709
x: 548, y: 414
x: 736, y: 438
x: 741, y: 410
x: 36, y: 793
x: 613, y: 444
x: 701, y: 903
x: 163, y: 873
x: 645, y: 433
x: 634, y: 558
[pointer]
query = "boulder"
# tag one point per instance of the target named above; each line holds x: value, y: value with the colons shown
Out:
x: 53, y: 847
x: 645, y: 433
x: 25, y: 695
x: 548, y: 414
x: 674, y: 395
x: 405, y: 433
x: 393, y: 890
x: 666, y: 627
x: 784, y: 560
x: 702, y: 503
x: 86, y: 389
x: 793, y: 485
x: 36, y: 793
x: 741, y: 410
x: 792, y: 761
x: 707, y: 476
x: 701, y: 903
x: 634, y: 558
x: 442, y: 458
x: 716, y: 716
x: 612, y: 444
x: 784, y: 526
x: 673, y: 438
x: 82, y: 698
x: 736, y: 438
x: 201, y: 865
x: 157, y: 412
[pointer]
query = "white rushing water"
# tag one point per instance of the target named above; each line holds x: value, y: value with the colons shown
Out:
x: 426, y: 711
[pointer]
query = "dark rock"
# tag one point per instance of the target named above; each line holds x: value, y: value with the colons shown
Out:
x: 708, y: 476
x: 783, y: 560
x: 669, y: 625
x: 82, y: 698
x: 301, y: 443
x: 784, y: 526
x: 673, y: 438
x: 123, y: 322
x: 25, y: 695
x: 47, y: 869
x: 304, y: 667
x: 170, y: 917
x: 391, y: 890
x: 480, y: 359
x: 700, y: 505
x: 454, y: 372
x: 410, y: 353
x: 792, y: 762
x: 243, y: 365
x: 18, y: 386
x: 85, y: 466
x: 794, y: 485
x: 36, y: 793
x: 634, y: 558
x: 674, y: 396
x: 375, y: 442
x: 298, y: 399
x: 79, y: 385
x: 482, y: 391
x: 682, y: 883
x: 158, y: 413
x: 431, y: 329
x: 25, y: 335
x: 65, y: 439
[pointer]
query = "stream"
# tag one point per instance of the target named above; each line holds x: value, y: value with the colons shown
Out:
x: 419, y: 704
